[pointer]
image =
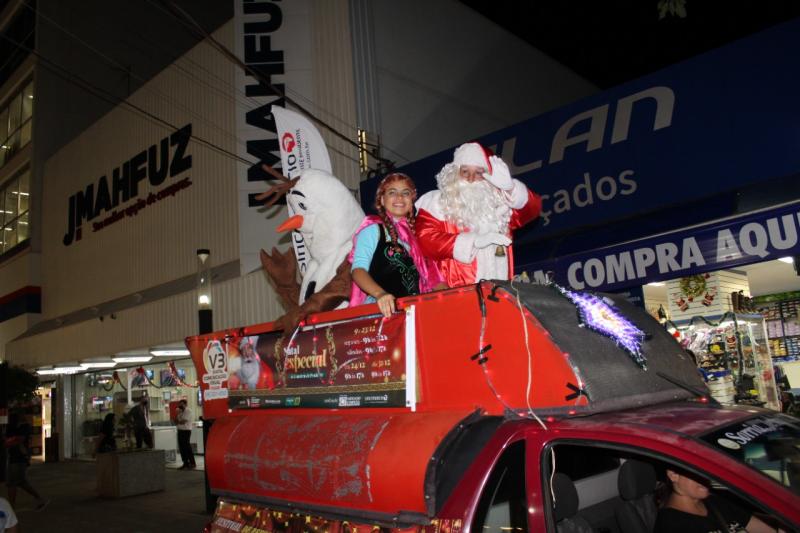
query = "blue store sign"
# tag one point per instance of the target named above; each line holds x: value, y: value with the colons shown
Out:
x: 751, y: 238
x: 720, y: 121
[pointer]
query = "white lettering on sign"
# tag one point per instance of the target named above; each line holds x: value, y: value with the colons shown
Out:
x: 591, y: 127
x: 215, y: 357
x: 752, y: 430
x: 754, y: 239
x: 215, y: 361
x: 588, y: 193
x: 215, y: 394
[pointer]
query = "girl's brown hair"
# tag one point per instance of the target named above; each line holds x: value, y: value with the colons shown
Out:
x: 387, y: 220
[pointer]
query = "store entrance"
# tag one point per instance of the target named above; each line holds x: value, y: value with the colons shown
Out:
x: 742, y: 327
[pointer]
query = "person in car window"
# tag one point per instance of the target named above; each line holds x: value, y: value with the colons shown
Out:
x: 691, y: 508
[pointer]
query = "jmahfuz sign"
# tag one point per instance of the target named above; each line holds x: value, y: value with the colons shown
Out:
x: 121, y: 195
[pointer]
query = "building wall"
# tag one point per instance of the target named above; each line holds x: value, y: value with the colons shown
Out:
x: 140, y: 264
x: 157, y: 244
x: 143, y: 263
x: 239, y: 301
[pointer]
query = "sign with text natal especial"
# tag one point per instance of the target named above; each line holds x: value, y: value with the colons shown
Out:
x: 359, y: 363
x: 760, y: 236
x: 302, y: 148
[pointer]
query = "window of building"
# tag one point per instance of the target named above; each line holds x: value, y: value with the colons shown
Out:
x: 14, y: 211
x: 15, y: 123
x: 18, y: 39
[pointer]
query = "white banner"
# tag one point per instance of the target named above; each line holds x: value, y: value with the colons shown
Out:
x: 302, y: 148
x: 274, y: 39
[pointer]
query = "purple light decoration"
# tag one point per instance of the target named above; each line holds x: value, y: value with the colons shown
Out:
x: 597, y: 315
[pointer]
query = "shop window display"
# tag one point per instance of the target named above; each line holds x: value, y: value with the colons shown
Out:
x: 103, y: 392
x: 783, y: 325
x: 734, y: 356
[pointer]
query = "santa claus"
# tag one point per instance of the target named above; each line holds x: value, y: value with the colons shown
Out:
x: 466, y: 225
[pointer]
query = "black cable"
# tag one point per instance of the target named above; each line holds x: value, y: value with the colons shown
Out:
x: 190, y: 23
x: 196, y: 79
x: 113, y: 99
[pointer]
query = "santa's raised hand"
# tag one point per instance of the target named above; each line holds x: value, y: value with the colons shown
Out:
x: 500, y: 176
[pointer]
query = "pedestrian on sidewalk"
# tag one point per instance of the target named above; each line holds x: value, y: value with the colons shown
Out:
x: 8, y: 520
x: 183, y: 419
x: 106, y: 442
x: 140, y: 414
x: 18, y: 438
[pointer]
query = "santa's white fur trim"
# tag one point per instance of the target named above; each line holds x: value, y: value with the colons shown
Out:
x: 464, y: 249
x: 518, y: 196
x: 430, y: 203
x: 471, y: 154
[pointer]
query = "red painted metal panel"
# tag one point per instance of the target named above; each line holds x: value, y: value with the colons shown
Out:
x: 524, y: 367
x: 370, y: 460
x: 448, y: 335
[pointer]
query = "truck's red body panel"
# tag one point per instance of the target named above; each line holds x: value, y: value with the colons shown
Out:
x: 486, y: 353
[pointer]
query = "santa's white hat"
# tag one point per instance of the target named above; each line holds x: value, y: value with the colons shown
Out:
x: 472, y: 154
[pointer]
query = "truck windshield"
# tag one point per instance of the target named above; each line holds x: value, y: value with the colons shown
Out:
x: 768, y: 443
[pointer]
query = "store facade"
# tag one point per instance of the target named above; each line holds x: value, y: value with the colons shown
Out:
x: 682, y: 178
x: 175, y: 167
x: 126, y: 206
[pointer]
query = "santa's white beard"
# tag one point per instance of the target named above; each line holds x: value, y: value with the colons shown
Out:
x: 476, y: 206
x: 481, y: 208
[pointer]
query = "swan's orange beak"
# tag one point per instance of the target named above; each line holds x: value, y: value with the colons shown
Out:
x: 293, y: 222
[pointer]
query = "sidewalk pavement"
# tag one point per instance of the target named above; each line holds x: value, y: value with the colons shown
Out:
x: 75, y: 506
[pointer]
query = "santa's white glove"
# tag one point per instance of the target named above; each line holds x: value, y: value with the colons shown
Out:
x: 487, y: 239
x: 500, y: 176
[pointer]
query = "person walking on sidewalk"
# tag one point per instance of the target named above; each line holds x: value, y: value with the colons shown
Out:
x: 183, y: 419
x: 141, y: 423
x: 18, y: 437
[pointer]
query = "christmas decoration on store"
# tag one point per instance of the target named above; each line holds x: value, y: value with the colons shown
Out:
x: 174, y: 371
x: 114, y: 379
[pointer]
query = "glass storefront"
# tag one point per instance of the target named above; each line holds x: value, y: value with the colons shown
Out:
x: 116, y: 390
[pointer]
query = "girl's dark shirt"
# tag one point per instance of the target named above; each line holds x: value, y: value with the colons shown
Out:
x: 394, y: 270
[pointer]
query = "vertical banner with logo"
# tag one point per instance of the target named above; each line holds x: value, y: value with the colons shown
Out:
x: 273, y: 39
x: 302, y: 148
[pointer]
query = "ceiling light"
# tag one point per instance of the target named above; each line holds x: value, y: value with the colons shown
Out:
x: 99, y: 364
x: 60, y: 370
x: 170, y: 353
x: 789, y: 260
x: 656, y: 284
x: 132, y: 359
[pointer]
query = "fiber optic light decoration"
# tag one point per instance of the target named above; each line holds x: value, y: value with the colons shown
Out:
x: 596, y: 314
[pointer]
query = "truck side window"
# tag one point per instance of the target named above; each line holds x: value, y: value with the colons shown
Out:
x: 579, y: 462
x: 503, y: 506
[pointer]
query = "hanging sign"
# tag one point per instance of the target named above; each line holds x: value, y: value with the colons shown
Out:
x: 358, y: 363
x: 752, y: 238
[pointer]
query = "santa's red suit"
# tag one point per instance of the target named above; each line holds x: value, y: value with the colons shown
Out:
x: 459, y: 262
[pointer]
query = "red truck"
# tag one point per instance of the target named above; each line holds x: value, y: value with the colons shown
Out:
x: 495, y: 407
